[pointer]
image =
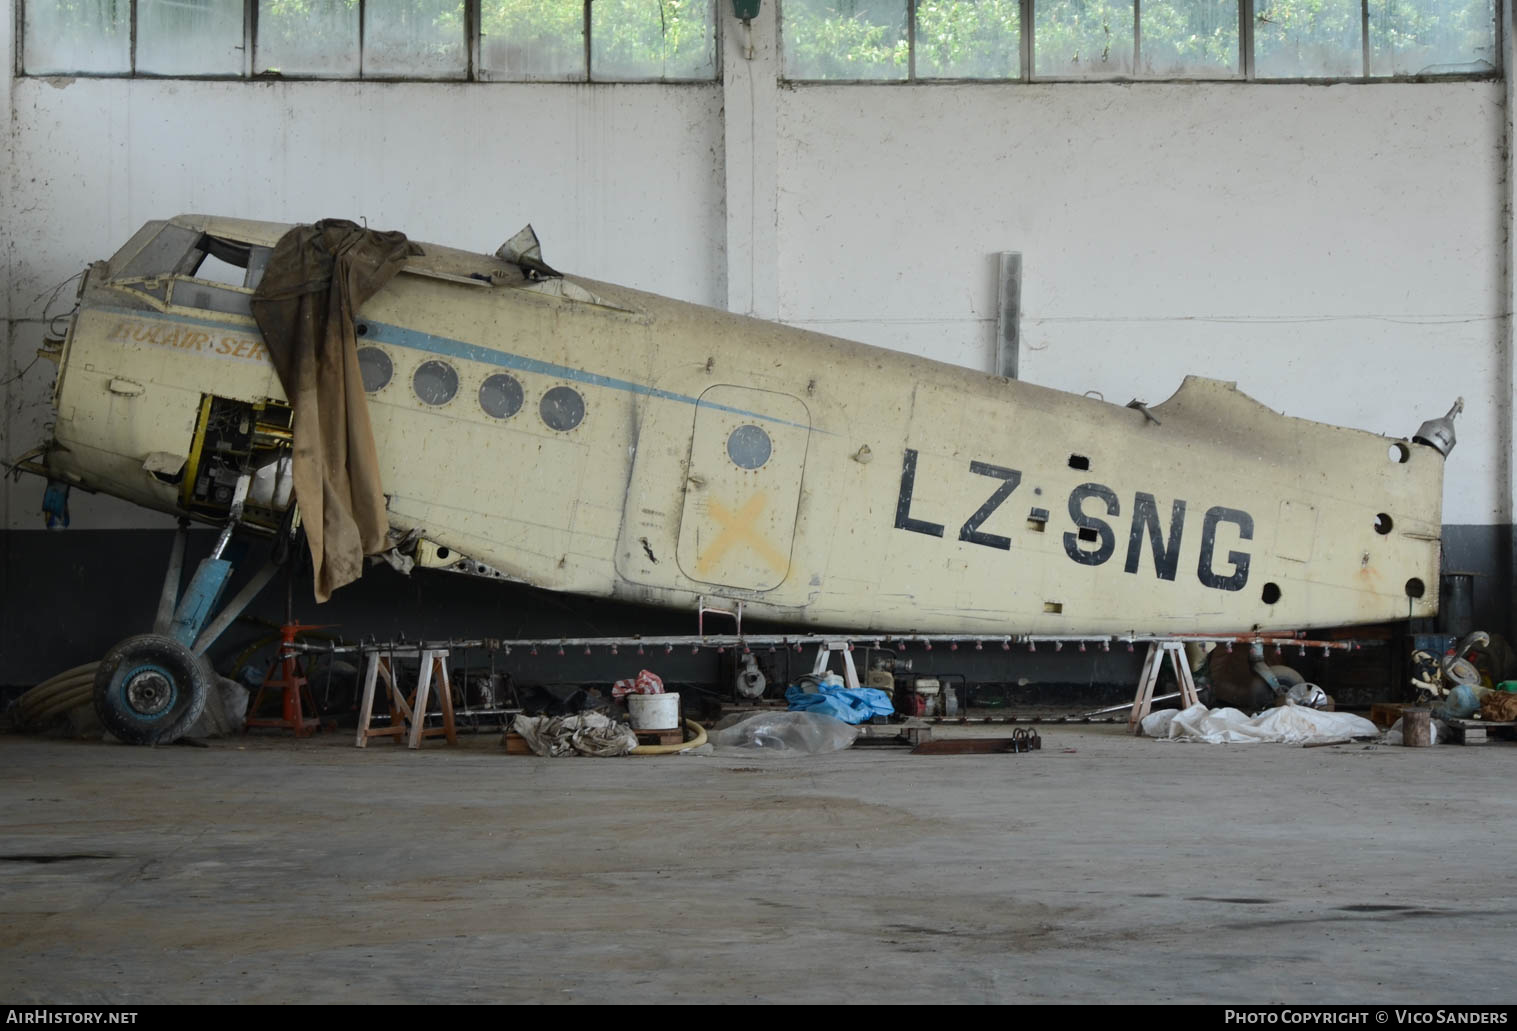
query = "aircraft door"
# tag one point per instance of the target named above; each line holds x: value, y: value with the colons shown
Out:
x: 743, y: 487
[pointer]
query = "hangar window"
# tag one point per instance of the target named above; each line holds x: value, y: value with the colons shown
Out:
x: 517, y: 40
x: 317, y: 39
x: 1031, y: 40
x: 176, y: 38
x: 87, y: 36
x: 321, y: 39
x: 846, y: 39
x: 652, y: 39
x: 422, y: 39
x: 526, y: 42
x: 608, y: 40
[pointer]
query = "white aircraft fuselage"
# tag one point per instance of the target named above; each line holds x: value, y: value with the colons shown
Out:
x: 588, y: 438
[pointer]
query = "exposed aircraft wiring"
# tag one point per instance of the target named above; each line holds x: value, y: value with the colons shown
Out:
x: 45, y: 319
x: 52, y: 296
x: 23, y: 372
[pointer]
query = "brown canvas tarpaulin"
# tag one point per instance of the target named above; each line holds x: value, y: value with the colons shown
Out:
x: 317, y: 278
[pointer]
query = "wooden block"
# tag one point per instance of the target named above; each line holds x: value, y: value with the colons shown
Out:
x: 1385, y: 714
x: 1467, y: 735
x: 1476, y: 732
x: 660, y: 737
x: 516, y: 744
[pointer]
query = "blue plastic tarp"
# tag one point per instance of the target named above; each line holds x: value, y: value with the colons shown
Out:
x: 857, y: 705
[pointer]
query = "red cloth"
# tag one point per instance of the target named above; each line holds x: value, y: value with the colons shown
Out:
x: 644, y: 683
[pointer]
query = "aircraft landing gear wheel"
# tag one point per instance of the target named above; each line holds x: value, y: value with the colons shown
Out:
x: 149, y: 689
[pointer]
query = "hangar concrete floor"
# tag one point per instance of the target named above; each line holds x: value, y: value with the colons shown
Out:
x: 1101, y: 869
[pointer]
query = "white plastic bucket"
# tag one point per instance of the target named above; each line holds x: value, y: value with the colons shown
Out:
x: 653, y: 711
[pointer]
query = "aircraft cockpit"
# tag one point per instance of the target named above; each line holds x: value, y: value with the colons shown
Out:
x: 179, y: 266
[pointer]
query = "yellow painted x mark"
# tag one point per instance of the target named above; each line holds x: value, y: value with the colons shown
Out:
x: 738, y: 526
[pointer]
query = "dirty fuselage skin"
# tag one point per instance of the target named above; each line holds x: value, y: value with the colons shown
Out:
x: 588, y: 438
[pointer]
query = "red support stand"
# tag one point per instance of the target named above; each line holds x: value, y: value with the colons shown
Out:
x: 287, y: 675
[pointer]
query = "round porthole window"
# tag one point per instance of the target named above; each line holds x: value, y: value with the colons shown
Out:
x: 749, y: 446
x: 562, y: 408
x: 375, y: 367
x: 500, y: 396
x: 435, y: 382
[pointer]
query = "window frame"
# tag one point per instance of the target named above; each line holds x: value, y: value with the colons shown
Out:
x: 1246, y: 47
x: 473, y: 72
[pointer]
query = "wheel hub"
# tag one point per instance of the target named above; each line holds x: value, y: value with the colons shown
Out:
x: 149, y: 691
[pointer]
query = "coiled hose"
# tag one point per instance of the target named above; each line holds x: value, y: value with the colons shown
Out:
x: 56, y: 695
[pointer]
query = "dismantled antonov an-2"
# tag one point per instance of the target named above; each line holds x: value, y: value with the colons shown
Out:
x: 589, y: 438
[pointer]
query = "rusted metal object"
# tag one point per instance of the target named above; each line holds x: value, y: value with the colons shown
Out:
x: 1022, y: 739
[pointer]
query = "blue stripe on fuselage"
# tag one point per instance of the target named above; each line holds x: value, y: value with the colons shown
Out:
x: 399, y: 336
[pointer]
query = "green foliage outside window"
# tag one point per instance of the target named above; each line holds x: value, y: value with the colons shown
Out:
x: 534, y: 39
x: 1431, y: 37
x: 969, y: 39
x: 866, y: 39
x: 1305, y: 38
x: 652, y: 39
x: 630, y: 39
x: 1190, y: 38
x: 845, y: 39
x: 1082, y: 38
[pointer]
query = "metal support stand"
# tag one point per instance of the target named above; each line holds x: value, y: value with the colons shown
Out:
x: 408, y: 714
x: 168, y: 600
x: 287, y: 675
x: 717, y: 607
x: 1144, y: 699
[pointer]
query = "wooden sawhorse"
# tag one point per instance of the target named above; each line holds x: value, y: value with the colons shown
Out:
x: 408, y: 715
x: 824, y: 654
x: 1144, y: 699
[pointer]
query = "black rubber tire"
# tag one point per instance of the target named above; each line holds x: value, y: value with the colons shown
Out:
x: 149, y: 689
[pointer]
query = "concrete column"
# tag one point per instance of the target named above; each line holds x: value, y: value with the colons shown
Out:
x: 748, y: 95
x: 1507, y: 363
x: 8, y: 391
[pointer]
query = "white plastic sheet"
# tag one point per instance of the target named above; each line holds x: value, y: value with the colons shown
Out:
x: 1288, y: 724
x: 783, y: 733
x: 225, y: 711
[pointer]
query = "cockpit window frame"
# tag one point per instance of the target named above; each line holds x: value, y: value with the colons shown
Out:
x: 154, y: 260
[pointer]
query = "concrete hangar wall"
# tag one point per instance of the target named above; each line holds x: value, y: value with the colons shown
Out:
x: 1340, y: 250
